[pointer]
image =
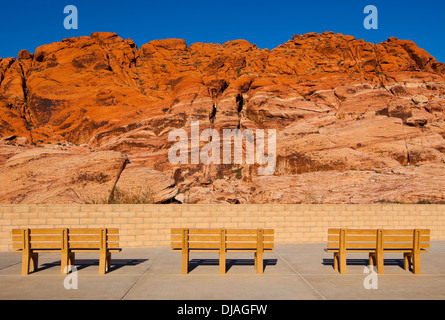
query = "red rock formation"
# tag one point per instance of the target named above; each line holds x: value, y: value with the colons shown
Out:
x: 344, y: 110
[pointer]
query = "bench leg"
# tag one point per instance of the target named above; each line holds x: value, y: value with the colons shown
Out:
x: 335, y: 261
x: 26, y: 256
x: 64, y: 262
x: 379, y: 263
x: 259, y: 266
x: 372, y: 259
x: 411, y: 261
x: 103, y: 262
x: 68, y: 260
x: 72, y: 259
x: 255, y: 259
x: 35, y: 261
x: 341, y: 263
x: 407, y: 261
x: 185, y: 262
x: 108, y: 261
x: 416, y: 262
x: 222, y: 262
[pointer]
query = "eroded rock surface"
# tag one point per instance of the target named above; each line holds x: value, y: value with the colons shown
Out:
x: 355, y: 122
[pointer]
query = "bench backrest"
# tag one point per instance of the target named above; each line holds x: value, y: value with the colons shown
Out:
x: 93, y: 238
x: 230, y: 239
x: 373, y: 239
x: 23, y: 239
x: 352, y: 239
x: 64, y: 238
x: 406, y: 239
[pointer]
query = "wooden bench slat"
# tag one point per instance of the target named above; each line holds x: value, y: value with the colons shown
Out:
x: 332, y: 245
x: 94, y: 250
x: 242, y: 231
x: 78, y: 245
x: 241, y: 245
x: 248, y: 231
x: 204, y: 238
x: 17, y: 237
x: 406, y: 245
x: 352, y: 231
x: 193, y: 245
x: 405, y: 232
x: 241, y: 238
x: 356, y: 250
x: 43, y: 238
x: 203, y: 231
x: 91, y: 238
x: 46, y: 245
x: 79, y: 232
x: 361, y: 245
x: 90, y: 231
x: 365, y: 232
x: 356, y: 238
x: 78, y: 238
x: 248, y: 238
x: 197, y: 238
x: 175, y: 231
x: 45, y: 231
x: 176, y: 245
x: 247, y: 245
x: 365, y: 245
x: 392, y: 238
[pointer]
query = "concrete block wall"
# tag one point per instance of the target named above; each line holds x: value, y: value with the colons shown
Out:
x: 149, y: 225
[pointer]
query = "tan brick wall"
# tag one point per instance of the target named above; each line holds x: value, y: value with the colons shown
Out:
x: 149, y: 225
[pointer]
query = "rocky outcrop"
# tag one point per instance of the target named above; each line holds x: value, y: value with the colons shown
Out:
x: 145, y: 185
x: 352, y: 119
x: 45, y: 176
x: 423, y: 184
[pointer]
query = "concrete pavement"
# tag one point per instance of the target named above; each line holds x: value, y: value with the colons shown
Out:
x: 292, y: 272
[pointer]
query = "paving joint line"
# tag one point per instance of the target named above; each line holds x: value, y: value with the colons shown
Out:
x: 140, y: 277
x: 300, y: 275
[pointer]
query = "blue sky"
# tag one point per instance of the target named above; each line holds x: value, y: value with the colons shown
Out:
x: 28, y: 24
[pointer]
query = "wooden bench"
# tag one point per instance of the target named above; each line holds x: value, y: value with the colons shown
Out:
x: 104, y: 241
x: 31, y: 242
x: 257, y: 241
x: 377, y: 242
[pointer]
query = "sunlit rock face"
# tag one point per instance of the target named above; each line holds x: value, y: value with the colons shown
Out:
x: 88, y: 120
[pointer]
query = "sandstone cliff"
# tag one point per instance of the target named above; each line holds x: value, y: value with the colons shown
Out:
x: 356, y: 122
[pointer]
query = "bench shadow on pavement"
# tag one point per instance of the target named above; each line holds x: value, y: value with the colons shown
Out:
x: 84, y: 263
x: 194, y: 263
x: 365, y: 262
